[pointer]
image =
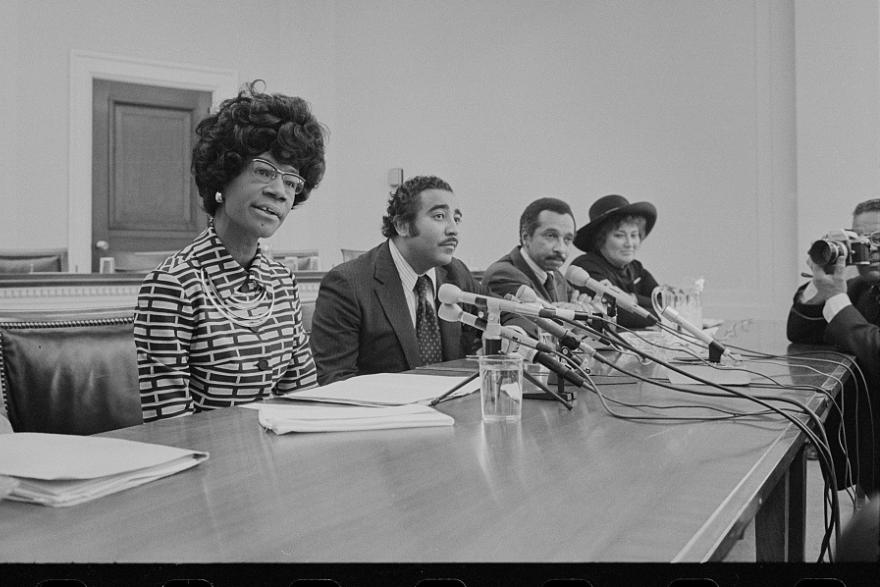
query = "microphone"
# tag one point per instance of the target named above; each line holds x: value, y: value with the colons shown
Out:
x: 527, y: 295
x: 450, y: 294
x: 716, y: 349
x: 578, y: 277
x: 545, y: 359
x: 565, y: 336
x: 454, y: 313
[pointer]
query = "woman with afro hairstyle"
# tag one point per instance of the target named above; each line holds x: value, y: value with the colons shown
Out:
x: 219, y: 323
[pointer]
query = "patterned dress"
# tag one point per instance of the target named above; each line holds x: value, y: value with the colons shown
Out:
x: 212, y: 334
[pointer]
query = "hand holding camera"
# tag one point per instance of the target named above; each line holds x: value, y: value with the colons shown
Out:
x: 853, y: 248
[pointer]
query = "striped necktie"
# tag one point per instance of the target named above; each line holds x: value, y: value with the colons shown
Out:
x: 427, y: 329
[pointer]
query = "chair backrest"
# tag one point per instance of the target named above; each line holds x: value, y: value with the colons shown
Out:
x: 308, y: 311
x: 33, y: 261
x: 303, y: 260
x: 69, y: 372
x: 349, y: 254
x: 139, y: 261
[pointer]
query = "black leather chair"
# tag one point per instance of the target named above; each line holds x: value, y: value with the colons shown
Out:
x: 33, y: 261
x: 70, y: 372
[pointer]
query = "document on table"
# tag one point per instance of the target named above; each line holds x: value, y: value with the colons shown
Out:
x: 384, y: 389
x: 64, y: 470
x: 285, y: 418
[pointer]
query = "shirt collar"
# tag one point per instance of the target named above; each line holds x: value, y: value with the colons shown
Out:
x: 539, y: 273
x: 408, y: 275
x: 225, y: 271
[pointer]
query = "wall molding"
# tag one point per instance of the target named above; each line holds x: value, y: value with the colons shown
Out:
x: 65, y: 291
x: 86, y: 66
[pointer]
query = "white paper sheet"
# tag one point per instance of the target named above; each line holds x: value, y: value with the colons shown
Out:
x: 63, y: 470
x: 285, y: 418
x: 384, y: 389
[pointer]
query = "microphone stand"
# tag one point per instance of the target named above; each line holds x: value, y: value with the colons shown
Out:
x: 563, y: 397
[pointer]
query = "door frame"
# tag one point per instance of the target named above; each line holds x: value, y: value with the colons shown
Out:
x: 86, y: 66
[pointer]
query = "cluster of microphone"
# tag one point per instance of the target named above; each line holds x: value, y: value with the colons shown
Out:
x: 552, y: 319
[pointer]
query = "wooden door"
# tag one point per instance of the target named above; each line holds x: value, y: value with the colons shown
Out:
x: 144, y: 197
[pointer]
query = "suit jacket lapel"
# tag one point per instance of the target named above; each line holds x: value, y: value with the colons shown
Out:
x: 520, y: 263
x: 389, y: 291
x: 450, y: 332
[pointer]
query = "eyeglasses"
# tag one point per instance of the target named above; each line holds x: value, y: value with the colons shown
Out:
x: 265, y: 172
x: 874, y: 237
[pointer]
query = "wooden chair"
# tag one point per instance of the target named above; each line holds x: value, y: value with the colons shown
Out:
x: 349, y: 254
x: 69, y: 372
x: 33, y: 261
x: 139, y: 261
x: 304, y: 260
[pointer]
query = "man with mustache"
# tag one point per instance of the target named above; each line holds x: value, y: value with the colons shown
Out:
x: 831, y: 309
x: 377, y: 313
x: 546, y: 232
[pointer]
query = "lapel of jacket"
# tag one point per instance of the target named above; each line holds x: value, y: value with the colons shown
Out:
x: 450, y: 332
x: 520, y: 263
x: 389, y: 291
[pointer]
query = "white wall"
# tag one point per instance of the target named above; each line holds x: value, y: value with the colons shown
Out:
x: 690, y: 104
x: 686, y: 104
x: 838, y: 114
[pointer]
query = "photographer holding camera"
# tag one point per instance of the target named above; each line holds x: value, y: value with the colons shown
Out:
x: 845, y: 313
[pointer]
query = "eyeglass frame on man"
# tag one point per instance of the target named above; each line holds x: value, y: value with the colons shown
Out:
x: 300, y: 182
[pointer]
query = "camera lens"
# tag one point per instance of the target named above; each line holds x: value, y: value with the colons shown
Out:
x: 825, y: 252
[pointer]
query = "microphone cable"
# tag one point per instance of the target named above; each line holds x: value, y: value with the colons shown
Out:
x: 822, y: 445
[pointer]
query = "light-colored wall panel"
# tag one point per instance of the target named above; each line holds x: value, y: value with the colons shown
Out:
x: 671, y: 102
x: 838, y: 114
x: 689, y: 104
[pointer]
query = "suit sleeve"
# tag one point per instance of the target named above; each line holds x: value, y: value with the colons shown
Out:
x: 852, y: 334
x: 806, y: 325
x: 336, y: 326
x: 502, y: 281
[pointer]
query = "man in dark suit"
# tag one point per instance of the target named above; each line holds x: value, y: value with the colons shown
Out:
x: 372, y: 312
x: 830, y: 309
x: 546, y: 231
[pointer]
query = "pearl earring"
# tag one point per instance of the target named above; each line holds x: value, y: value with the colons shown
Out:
x: 218, y: 197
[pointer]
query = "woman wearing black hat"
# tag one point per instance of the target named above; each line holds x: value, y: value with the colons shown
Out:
x: 610, y: 241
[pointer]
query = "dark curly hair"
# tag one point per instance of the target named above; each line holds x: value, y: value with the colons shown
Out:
x: 528, y: 222
x: 404, y: 203
x: 250, y: 124
x: 616, y: 222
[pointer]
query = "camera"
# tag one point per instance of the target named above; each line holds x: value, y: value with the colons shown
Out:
x: 856, y: 249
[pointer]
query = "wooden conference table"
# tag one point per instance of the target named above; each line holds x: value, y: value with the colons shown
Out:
x: 560, y: 486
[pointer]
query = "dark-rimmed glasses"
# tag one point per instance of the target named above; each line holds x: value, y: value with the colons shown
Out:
x: 266, y: 172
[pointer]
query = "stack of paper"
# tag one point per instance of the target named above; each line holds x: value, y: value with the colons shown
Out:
x: 64, y: 470
x: 282, y: 418
x: 384, y: 389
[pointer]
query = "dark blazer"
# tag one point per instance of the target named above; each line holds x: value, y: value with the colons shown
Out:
x: 505, y: 275
x: 854, y: 330
x: 633, y: 278
x: 362, y: 324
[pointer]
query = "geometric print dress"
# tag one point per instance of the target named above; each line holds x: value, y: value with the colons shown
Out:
x: 212, y: 334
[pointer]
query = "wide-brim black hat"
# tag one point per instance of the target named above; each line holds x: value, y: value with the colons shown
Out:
x: 608, y: 207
